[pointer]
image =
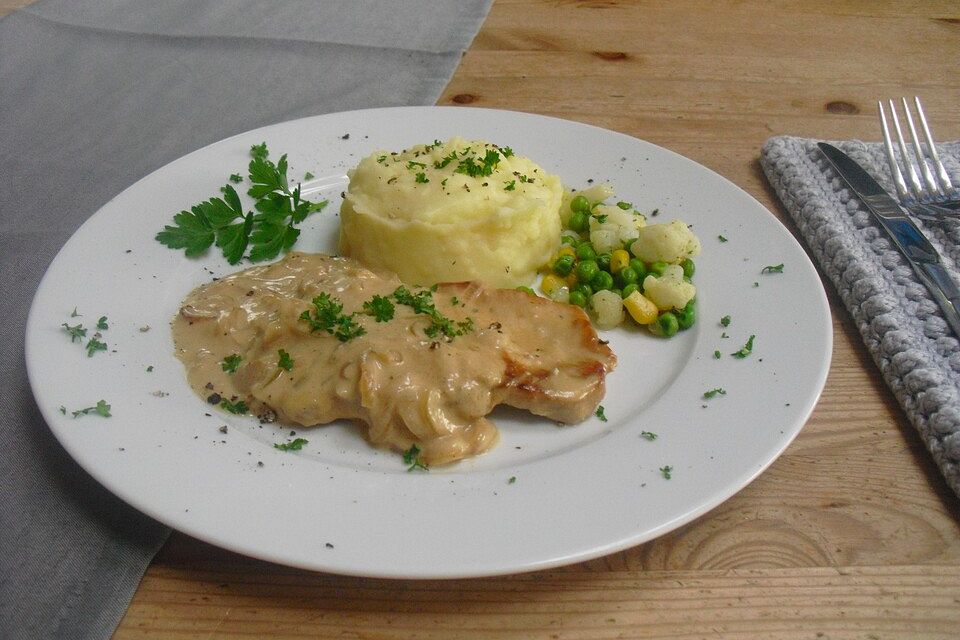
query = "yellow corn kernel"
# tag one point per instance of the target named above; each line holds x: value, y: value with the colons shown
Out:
x: 619, y: 260
x: 640, y: 308
x: 565, y: 250
x: 551, y: 282
x: 572, y: 280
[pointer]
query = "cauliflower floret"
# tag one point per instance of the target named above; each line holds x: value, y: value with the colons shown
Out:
x: 669, y: 291
x: 672, y: 242
x: 611, y: 227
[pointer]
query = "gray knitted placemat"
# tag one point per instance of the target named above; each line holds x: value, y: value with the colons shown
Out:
x: 899, y: 321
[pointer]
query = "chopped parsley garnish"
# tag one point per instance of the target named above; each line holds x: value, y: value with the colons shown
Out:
x: 238, y: 407
x: 380, y: 308
x: 222, y: 221
x: 236, y: 178
x: 721, y: 238
x: 285, y: 362
x: 600, y: 413
x: 666, y: 471
x: 412, y: 458
x: 421, y: 178
x: 440, y: 164
x: 510, y: 186
x: 648, y: 435
x: 102, y: 323
x: 725, y: 321
x: 328, y: 316
x: 469, y: 165
x: 95, y: 345
x: 716, y: 354
x: 101, y: 409
x: 293, y: 445
x: 600, y: 217
x: 415, y: 165
x: 512, y: 480
x: 231, y: 362
x: 776, y: 268
x: 150, y: 369
x: 422, y: 302
x: 74, y: 314
x: 714, y: 392
x: 77, y: 332
x: 626, y: 206
x: 308, y: 176
x: 381, y: 159
x: 745, y: 350
x: 506, y: 151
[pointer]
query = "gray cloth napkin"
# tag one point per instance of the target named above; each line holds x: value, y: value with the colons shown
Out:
x: 898, y: 320
x: 95, y: 94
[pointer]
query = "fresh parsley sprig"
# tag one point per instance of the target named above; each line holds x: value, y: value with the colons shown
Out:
x: 223, y: 222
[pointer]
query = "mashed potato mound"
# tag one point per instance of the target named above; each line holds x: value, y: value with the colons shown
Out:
x: 452, y: 211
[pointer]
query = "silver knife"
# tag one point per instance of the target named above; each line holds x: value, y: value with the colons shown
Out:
x: 921, y: 255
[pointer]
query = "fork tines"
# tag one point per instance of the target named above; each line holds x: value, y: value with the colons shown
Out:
x: 935, y: 186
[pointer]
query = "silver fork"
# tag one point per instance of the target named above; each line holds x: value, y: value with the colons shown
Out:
x: 934, y: 196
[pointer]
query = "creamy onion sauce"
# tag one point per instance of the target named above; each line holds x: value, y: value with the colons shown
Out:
x: 403, y: 386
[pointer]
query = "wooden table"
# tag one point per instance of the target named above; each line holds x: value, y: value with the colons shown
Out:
x: 852, y: 533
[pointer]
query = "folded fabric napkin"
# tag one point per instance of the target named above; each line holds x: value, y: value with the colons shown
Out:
x: 95, y: 94
x: 899, y: 321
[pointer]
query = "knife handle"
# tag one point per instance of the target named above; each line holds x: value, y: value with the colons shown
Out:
x: 944, y: 291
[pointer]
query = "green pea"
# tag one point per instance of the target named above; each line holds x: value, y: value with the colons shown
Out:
x: 586, y: 269
x: 584, y: 289
x: 627, y: 290
x: 563, y: 265
x: 585, y: 251
x: 580, y: 204
x: 577, y: 298
x: 667, y: 324
x: 688, y: 315
x: 627, y: 276
x: 688, y: 268
x: 601, y: 280
x: 637, y: 265
x: 579, y: 221
x: 603, y: 261
x: 657, y: 268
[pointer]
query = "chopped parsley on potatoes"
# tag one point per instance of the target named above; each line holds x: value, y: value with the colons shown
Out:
x: 616, y: 265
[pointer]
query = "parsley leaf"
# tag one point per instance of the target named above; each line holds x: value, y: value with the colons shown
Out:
x: 236, y: 178
x: 777, y: 268
x: 293, y: 445
x: 666, y: 471
x: 231, y: 362
x: 222, y: 221
x: 721, y: 238
x: 421, y: 178
x: 285, y: 362
x: 328, y: 316
x: 510, y: 186
x: 725, y: 321
x: 102, y: 323
x: 422, y: 302
x: 101, y: 409
x: 95, y: 345
x: 380, y: 308
x: 648, y: 435
x: 745, y: 350
x: 77, y: 332
x: 238, y: 407
x: 412, y: 457
x: 600, y: 413
x: 714, y: 392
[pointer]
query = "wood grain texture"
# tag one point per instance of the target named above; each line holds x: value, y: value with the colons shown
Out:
x: 852, y: 533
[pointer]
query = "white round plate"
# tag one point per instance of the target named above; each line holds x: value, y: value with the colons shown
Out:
x: 547, y: 495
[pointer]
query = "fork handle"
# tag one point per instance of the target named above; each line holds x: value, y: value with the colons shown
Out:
x: 944, y: 291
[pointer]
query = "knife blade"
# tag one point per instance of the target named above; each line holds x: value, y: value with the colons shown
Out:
x: 908, y: 238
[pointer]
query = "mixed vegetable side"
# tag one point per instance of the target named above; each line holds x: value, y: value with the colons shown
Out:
x: 614, y: 264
